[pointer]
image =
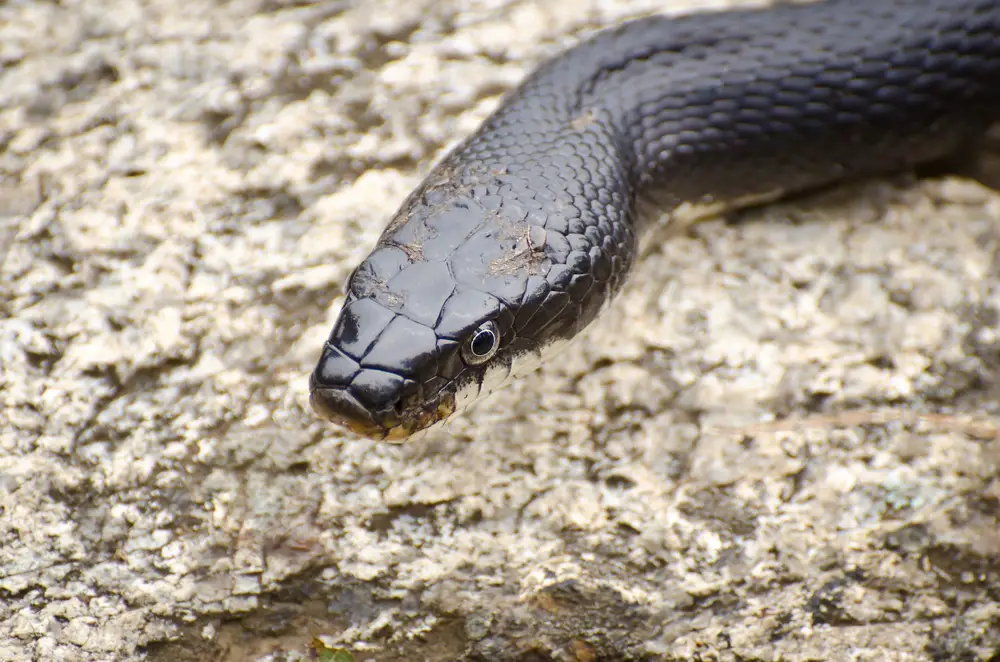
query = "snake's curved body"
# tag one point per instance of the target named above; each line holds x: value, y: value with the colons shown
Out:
x: 518, y: 238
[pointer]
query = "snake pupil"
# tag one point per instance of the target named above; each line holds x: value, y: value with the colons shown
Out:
x: 483, y: 344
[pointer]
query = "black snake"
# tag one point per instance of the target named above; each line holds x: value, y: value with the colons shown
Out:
x: 519, y: 237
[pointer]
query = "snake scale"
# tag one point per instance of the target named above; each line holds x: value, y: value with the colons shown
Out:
x: 518, y: 238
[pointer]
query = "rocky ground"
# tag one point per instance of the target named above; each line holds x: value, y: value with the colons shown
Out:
x: 780, y: 443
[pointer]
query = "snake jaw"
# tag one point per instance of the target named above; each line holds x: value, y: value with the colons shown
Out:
x: 339, y: 405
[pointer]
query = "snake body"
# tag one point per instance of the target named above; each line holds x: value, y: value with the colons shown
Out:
x: 521, y: 234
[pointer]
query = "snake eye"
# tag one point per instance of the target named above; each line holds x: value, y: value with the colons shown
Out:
x: 482, y: 344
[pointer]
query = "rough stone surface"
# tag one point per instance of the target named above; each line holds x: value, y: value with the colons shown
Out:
x: 780, y: 444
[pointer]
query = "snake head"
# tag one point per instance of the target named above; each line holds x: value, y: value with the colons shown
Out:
x: 386, y: 375
x: 464, y: 290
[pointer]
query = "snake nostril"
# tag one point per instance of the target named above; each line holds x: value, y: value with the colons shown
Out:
x: 412, y: 394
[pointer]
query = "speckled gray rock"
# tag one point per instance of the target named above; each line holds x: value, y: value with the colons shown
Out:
x: 781, y: 442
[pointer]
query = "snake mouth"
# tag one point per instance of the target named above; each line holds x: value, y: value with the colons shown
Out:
x: 340, y: 406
